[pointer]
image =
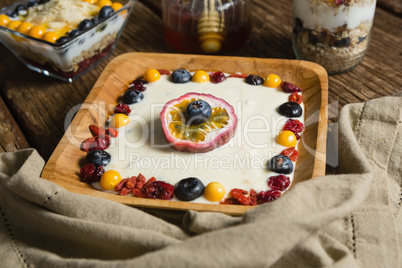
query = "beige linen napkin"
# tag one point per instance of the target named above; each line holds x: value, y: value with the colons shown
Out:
x: 347, y: 220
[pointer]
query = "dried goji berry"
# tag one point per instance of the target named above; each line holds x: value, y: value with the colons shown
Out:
x: 295, y: 97
x: 239, y: 195
x: 87, y: 145
x: 239, y: 75
x: 230, y: 201
x: 151, y: 180
x: 253, y: 198
x: 280, y: 182
x: 288, y: 151
x: 294, y: 156
x: 290, y: 88
x: 140, y: 181
x: 120, y: 185
x: 124, y: 191
x: 131, y: 182
x: 112, y: 132
x: 101, y: 143
x: 97, y: 131
x: 138, y: 193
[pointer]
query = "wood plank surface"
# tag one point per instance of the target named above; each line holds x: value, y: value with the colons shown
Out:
x: 40, y: 105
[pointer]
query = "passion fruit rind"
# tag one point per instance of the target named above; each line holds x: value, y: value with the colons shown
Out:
x: 213, y: 139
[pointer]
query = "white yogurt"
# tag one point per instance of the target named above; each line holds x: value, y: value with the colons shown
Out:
x: 141, y: 147
x: 317, y: 16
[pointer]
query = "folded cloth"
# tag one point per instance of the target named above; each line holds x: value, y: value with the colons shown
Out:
x: 348, y: 220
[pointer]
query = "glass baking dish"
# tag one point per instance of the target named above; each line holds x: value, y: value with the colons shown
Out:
x: 70, y: 59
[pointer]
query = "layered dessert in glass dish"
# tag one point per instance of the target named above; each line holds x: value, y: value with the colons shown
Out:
x: 63, y: 38
x: 333, y: 33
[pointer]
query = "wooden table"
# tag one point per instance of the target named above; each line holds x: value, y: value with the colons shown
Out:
x: 33, y: 107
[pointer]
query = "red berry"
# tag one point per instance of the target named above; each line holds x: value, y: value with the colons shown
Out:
x: 280, y: 182
x: 295, y: 126
x: 217, y: 77
x: 90, y: 173
x: 290, y: 88
x: 239, y: 75
x: 138, y: 84
x: 122, y: 108
x: 267, y: 196
x: 295, y: 97
x: 159, y: 190
x: 112, y: 132
x: 164, y: 72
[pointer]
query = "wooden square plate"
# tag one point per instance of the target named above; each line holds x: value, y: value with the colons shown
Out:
x: 64, y: 165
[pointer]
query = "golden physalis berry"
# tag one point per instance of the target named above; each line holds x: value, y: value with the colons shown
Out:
x: 37, y: 31
x: 116, y: 6
x: 50, y: 37
x: 102, y: 3
x: 272, y: 80
x: 200, y: 76
x: 119, y: 120
x: 110, y: 179
x: 152, y: 75
x: 93, y: 2
x: 214, y: 192
x: 287, y: 138
x: 4, y: 20
x: 24, y: 27
x: 13, y: 25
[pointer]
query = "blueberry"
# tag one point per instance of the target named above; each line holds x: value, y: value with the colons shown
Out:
x: 198, y: 112
x: 95, y: 20
x: 254, y: 80
x: 344, y: 42
x: 290, y: 109
x: 85, y: 24
x: 280, y: 164
x: 180, y: 76
x: 62, y: 40
x: 132, y: 96
x: 74, y: 33
x: 21, y: 10
x: 105, y: 12
x: 32, y: 3
x: 189, y: 189
x: 98, y: 158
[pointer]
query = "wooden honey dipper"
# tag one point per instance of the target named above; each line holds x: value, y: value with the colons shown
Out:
x: 211, y: 28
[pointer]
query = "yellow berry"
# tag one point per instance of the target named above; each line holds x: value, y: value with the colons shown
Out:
x: 24, y: 27
x: 152, y: 75
x: 92, y: 2
x: 50, y: 37
x: 287, y: 138
x: 272, y: 80
x: 200, y: 76
x: 214, y: 192
x: 37, y: 31
x: 116, y: 6
x: 110, y: 179
x: 13, y: 25
x: 4, y: 20
x: 102, y: 3
x: 119, y: 120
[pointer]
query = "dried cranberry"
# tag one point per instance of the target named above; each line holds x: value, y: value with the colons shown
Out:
x: 90, y: 173
x: 87, y: 144
x: 217, y: 77
x: 138, y: 85
x: 160, y: 190
x: 122, y: 108
x: 290, y: 88
x: 267, y: 196
x: 280, y: 182
x: 295, y: 126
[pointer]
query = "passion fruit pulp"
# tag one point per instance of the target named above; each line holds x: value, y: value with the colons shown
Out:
x: 198, y: 138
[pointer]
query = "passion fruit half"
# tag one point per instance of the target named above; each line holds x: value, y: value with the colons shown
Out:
x: 184, y: 136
